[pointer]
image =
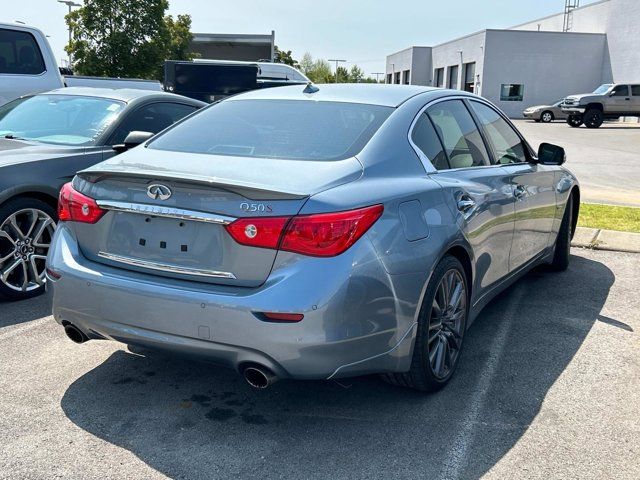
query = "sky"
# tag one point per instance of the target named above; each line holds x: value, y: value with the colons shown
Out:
x: 363, y: 32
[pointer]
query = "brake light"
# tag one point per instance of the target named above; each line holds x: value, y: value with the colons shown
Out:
x: 319, y: 235
x: 258, y: 232
x: 328, y: 234
x: 73, y: 206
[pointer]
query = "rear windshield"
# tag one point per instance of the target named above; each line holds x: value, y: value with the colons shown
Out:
x: 285, y: 129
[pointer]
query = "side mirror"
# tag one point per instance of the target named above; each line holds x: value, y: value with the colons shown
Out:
x: 549, y: 154
x: 134, y: 139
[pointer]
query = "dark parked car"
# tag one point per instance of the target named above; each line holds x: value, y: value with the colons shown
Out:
x: 44, y: 140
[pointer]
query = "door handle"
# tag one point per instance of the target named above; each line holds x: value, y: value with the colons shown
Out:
x: 519, y: 191
x: 466, y: 203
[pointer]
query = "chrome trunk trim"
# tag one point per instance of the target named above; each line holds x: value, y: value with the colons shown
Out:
x: 166, y: 212
x: 166, y: 267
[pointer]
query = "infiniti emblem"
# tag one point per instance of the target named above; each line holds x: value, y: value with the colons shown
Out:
x: 158, y: 192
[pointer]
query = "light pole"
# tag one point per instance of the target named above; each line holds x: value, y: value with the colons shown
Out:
x: 337, y: 62
x: 70, y: 4
x: 377, y: 74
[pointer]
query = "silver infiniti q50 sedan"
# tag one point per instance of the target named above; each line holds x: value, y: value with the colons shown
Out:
x: 312, y: 233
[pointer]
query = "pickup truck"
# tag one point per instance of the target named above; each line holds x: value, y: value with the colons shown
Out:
x: 608, y: 102
x: 27, y: 65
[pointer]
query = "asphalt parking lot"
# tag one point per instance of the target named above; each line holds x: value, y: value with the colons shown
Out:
x: 606, y: 160
x: 548, y: 388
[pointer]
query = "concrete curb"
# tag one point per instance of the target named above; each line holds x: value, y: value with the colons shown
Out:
x: 598, y: 239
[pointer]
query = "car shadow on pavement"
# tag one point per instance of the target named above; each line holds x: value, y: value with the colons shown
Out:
x: 191, y: 420
x: 15, y: 312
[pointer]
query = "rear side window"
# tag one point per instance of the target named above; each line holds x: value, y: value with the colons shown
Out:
x: 507, y: 145
x: 425, y: 138
x: 151, y: 118
x: 282, y: 129
x: 635, y: 90
x: 462, y: 141
x: 19, y: 53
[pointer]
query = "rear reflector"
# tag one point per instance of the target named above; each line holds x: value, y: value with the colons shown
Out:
x: 281, y: 317
x: 319, y: 235
x: 73, y: 206
x: 53, y: 274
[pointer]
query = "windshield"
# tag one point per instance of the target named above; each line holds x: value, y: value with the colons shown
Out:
x: 58, y: 119
x: 602, y: 89
x: 284, y: 129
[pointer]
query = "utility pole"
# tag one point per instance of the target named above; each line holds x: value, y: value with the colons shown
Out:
x: 70, y: 4
x: 377, y: 74
x: 337, y: 62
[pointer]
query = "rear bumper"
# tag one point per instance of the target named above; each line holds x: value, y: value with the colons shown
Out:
x: 358, y: 319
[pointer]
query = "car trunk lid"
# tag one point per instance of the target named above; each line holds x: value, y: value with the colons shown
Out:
x: 183, y: 235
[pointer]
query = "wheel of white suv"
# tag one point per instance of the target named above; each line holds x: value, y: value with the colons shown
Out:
x: 574, y: 121
x: 593, y: 118
x: 26, y: 229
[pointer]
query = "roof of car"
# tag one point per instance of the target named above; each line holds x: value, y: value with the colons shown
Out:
x: 122, y: 94
x: 369, y: 93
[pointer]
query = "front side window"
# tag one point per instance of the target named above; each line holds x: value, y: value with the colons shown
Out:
x: 19, y: 53
x: 425, y: 138
x: 59, y: 119
x: 511, y: 92
x: 620, y: 91
x: 151, y: 118
x: 507, y: 145
x: 462, y: 141
x: 279, y: 129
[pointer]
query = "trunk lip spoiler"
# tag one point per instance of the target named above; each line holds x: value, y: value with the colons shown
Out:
x: 166, y: 212
x: 94, y: 175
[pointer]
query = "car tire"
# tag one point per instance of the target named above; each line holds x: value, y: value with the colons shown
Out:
x: 574, y: 121
x: 546, y: 117
x: 593, y: 118
x: 438, y: 342
x: 26, y: 229
x: 562, y: 250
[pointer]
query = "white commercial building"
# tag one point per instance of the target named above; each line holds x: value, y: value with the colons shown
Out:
x: 534, y: 63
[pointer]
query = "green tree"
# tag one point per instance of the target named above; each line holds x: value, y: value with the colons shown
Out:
x: 282, y: 56
x: 356, y: 75
x: 306, y: 64
x: 126, y: 38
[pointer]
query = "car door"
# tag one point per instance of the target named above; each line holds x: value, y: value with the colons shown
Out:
x: 152, y: 117
x: 619, y: 101
x: 635, y: 99
x: 532, y: 185
x: 480, y: 197
x: 23, y: 68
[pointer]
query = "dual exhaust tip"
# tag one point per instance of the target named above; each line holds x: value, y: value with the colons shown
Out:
x: 256, y: 376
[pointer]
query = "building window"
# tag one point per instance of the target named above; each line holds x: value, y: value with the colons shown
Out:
x: 453, y: 77
x: 396, y: 80
x: 511, y: 92
x: 438, y: 77
x: 405, y: 77
x: 389, y: 78
x: 469, y: 77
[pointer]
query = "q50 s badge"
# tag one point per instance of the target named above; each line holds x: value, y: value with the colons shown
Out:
x: 256, y: 207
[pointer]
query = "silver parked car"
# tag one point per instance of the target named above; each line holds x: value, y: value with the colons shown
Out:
x: 545, y: 113
x: 312, y: 233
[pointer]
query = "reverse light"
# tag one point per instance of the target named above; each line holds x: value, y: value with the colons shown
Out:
x: 318, y: 235
x: 73, y: 206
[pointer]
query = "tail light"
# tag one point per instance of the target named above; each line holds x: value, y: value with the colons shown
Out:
x: 319, y: 235
x: 73, y: 206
